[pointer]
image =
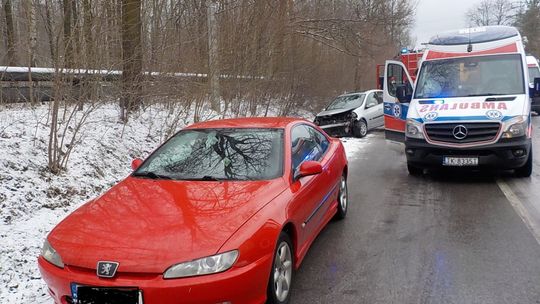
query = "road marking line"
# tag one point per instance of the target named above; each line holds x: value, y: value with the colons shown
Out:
x: 520, y: 209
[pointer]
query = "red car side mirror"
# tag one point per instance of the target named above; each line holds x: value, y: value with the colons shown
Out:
x: 136, y: 163
x: 308, y: 168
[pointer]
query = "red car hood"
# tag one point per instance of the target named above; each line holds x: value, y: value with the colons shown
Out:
x: 148, y: 225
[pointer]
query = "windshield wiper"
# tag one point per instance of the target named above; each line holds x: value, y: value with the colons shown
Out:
x: 209, y: 178
x: 151, y: 175
x: 484, y: 94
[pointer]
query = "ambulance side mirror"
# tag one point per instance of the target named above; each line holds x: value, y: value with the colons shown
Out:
x: 536, y: 89
x: 402, y: 95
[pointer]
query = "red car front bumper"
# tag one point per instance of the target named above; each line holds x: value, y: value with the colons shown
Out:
x: 238, y: 285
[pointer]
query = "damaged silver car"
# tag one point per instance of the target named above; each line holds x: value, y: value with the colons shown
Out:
x: 353, y: 114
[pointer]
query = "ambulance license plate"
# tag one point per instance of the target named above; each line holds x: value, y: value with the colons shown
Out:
x: 460, y: 161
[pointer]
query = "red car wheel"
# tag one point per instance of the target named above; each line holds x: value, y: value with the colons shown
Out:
x: 281, y: 276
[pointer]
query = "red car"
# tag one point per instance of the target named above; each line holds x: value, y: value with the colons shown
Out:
x: 223, y: 212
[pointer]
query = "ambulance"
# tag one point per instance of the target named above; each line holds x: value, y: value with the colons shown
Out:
x: 469, y: 105
x: 534, y: 73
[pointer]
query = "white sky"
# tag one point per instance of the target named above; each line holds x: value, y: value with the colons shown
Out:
x: 434, y: 16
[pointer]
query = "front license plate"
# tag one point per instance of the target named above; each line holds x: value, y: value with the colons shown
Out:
x: 105, y: 295
x: 460, y: 161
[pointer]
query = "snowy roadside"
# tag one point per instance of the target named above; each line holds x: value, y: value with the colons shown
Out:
x: 355, y: 146
x: 33, y: 201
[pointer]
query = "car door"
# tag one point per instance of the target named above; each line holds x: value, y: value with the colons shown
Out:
x: 380, y: 109
x: 309, y: 192
x: 395, y: 113
x: 372, y: 110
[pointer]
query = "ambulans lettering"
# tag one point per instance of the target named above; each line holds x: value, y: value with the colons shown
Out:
x: 463, y: 106
x: 488, y: 106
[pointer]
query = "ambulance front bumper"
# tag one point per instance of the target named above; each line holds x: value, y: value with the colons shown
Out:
x: 506, y: 154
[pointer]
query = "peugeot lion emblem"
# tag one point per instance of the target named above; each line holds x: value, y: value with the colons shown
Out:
x: 106, y: 269
x: 460, y: 132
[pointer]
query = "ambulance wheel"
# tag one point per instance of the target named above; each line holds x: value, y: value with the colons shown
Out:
x: 526, y: 170
x: 360, y: 128
x: 414, y: 171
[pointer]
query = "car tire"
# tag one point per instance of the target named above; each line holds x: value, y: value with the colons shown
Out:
x: 342, y: 199
x: 282, y: 271
x: 526, y: 170
x: 414, y: 171
x: 360, y: 128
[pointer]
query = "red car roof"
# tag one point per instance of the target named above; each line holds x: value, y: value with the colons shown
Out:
x: 251, y: 122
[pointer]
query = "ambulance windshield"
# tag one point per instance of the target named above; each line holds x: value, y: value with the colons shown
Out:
x: 471, y: 76
x: 534, y: 72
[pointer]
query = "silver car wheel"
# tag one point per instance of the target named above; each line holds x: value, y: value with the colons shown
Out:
x: 363, y: 129
x: 282, y: 271
x: 343, y: 199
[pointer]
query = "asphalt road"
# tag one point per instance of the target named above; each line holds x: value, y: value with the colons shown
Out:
x: 440, y: 238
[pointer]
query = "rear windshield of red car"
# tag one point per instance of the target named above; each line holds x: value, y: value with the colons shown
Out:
x: 218, y: 154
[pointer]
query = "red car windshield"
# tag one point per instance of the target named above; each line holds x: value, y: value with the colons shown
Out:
x: 218, y: 154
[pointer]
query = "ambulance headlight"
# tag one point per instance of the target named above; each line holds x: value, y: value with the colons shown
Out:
x: 413, y: 129
x: 516, y: 127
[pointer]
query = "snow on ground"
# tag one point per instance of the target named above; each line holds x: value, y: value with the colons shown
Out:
x: 33, y: 201
x: 355, y: 146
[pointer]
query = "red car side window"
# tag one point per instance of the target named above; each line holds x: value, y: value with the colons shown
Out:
x: 307, y: 144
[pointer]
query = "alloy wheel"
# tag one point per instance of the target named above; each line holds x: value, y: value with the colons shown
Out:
x: 343, y: 199
x: 282, y: 271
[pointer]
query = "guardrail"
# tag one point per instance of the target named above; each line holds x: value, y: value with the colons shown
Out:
x: 18, y: 83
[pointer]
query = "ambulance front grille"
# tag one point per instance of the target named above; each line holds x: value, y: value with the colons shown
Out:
x: 475, y: 132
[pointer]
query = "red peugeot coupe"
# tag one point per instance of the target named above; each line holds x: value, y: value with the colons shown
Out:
x: 223, y: 212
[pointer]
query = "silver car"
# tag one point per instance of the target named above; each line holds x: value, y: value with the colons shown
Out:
x: 353, y: 114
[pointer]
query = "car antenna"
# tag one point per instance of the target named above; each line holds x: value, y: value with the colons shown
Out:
x: 470, y: 46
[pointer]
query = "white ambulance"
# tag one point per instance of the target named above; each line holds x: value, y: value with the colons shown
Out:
x: 469, y: 106
x: 534, y: 74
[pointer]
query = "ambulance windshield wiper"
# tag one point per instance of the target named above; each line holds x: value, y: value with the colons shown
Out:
x: 484, y: 94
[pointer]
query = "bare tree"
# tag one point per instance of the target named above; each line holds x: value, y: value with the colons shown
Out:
x: 131, y: 56
x: 68, y: 34
x: 49, y: 29
x: 30, y: 11
x: 529, y: 24
x: 492, y: 12
x: 10, y: 33
x: 213, y: 54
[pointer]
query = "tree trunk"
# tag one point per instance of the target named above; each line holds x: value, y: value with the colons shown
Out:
x: 213, y: 55
x: 87, y: 33
x: 75, y: 33
x: 50, y: 35
x: 10, y: 33
x: 131, y: 57
x: 30, y: 9
x: 68, y: 45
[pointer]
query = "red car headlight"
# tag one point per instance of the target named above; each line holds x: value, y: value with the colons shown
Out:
x: 203, y: 266
x: 49, y: 254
